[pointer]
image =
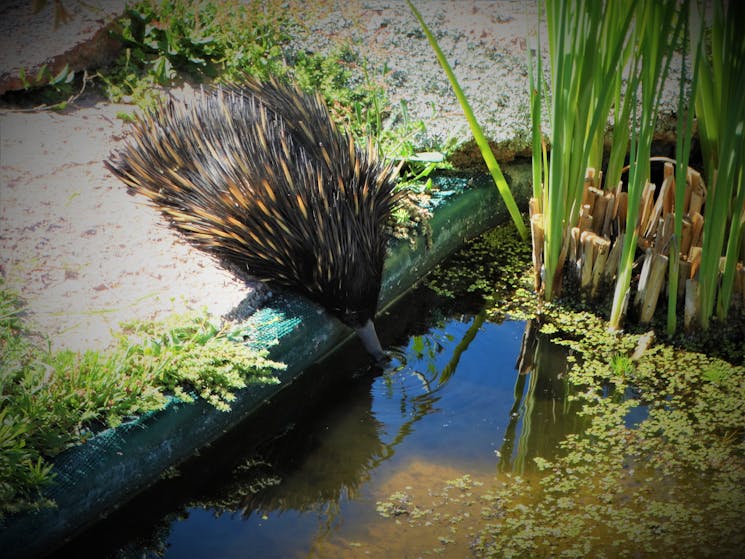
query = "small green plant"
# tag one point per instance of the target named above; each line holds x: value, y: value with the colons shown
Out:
x: 195, y: 358
x: 51, y: 401
x: 621, y: 365
x: 202, y: 40
x: 45, y: 90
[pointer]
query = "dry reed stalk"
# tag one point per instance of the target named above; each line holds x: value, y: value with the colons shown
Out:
x: 610, y: 210
x: 691, y: 308
x: 643, y: 277
x: 697, y: 227
x: 645, y: 210
x: 574, y: 253
x: 685, y: 241
x: 537, y: 234
x: 585, y: 218
x: 649, y: 227
x: 588, y: 183
x: 694, y: 257
x: 654, y: 286
x: 601, y: 248
x: 698, y: 194
x: 611, y: 264
x: 668, y: 203
x: 588, y: 256
x: 687, y: 195
x: 598, y: 213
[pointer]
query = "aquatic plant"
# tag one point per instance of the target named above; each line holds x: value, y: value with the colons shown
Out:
x: 612, y: 55
x: 683, y: 134
x: 721, y: 117
x: 650, y: 69
x: 587, y: 42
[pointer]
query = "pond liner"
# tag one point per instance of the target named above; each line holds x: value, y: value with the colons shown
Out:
x: 96, y: 477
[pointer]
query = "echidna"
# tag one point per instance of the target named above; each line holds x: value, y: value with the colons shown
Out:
x: 261, y: 177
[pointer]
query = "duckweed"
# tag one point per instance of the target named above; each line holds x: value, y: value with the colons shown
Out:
x: 666, y: 482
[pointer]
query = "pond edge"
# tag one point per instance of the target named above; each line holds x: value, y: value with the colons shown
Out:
x: 94, y: 478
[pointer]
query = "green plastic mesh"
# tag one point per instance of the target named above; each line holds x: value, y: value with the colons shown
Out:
x: 99, y: 474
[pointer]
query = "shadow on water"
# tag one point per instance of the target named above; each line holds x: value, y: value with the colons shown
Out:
x: 461, y: 394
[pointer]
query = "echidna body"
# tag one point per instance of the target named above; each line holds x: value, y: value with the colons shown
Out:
x: 262, y: 178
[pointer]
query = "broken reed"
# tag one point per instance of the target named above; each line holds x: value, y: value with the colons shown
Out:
x: 591, y: 251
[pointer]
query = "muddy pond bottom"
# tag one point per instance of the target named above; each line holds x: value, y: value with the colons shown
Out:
x: 334, y: 476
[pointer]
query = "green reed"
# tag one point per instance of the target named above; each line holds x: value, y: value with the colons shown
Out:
x: 721, y: 117
x: 478, y: 133
x: 683, y: 134
x: 587, y: 44
x: 656, y: 34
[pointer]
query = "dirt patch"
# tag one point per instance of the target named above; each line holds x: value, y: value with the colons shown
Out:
x: 83, y: 253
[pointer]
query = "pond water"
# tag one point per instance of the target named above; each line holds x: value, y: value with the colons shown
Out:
x: 308, y: 477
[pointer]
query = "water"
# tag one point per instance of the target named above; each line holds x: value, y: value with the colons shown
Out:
x: 304, y: 479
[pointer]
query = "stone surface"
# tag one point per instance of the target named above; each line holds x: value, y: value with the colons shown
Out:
x: 31, y: 41
x: 85, y: 255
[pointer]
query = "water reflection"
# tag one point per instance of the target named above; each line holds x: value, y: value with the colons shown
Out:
x: 542, y: 413
x: 461, y: 394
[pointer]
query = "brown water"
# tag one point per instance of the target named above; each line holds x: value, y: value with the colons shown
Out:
x: 306, y: 478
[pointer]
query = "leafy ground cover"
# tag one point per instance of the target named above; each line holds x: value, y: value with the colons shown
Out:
x: 51, y: 401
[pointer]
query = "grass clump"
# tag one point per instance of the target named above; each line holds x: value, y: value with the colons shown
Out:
x: 51, y: 401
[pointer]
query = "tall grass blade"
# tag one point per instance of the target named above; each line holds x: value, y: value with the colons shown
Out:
x: 684, y: 133
x: 535, y: 94
x: 478, y: 134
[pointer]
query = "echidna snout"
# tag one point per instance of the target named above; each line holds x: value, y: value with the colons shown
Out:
x: 262, y: 178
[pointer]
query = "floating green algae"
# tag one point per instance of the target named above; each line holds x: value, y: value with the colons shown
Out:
x: 658, y: 470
